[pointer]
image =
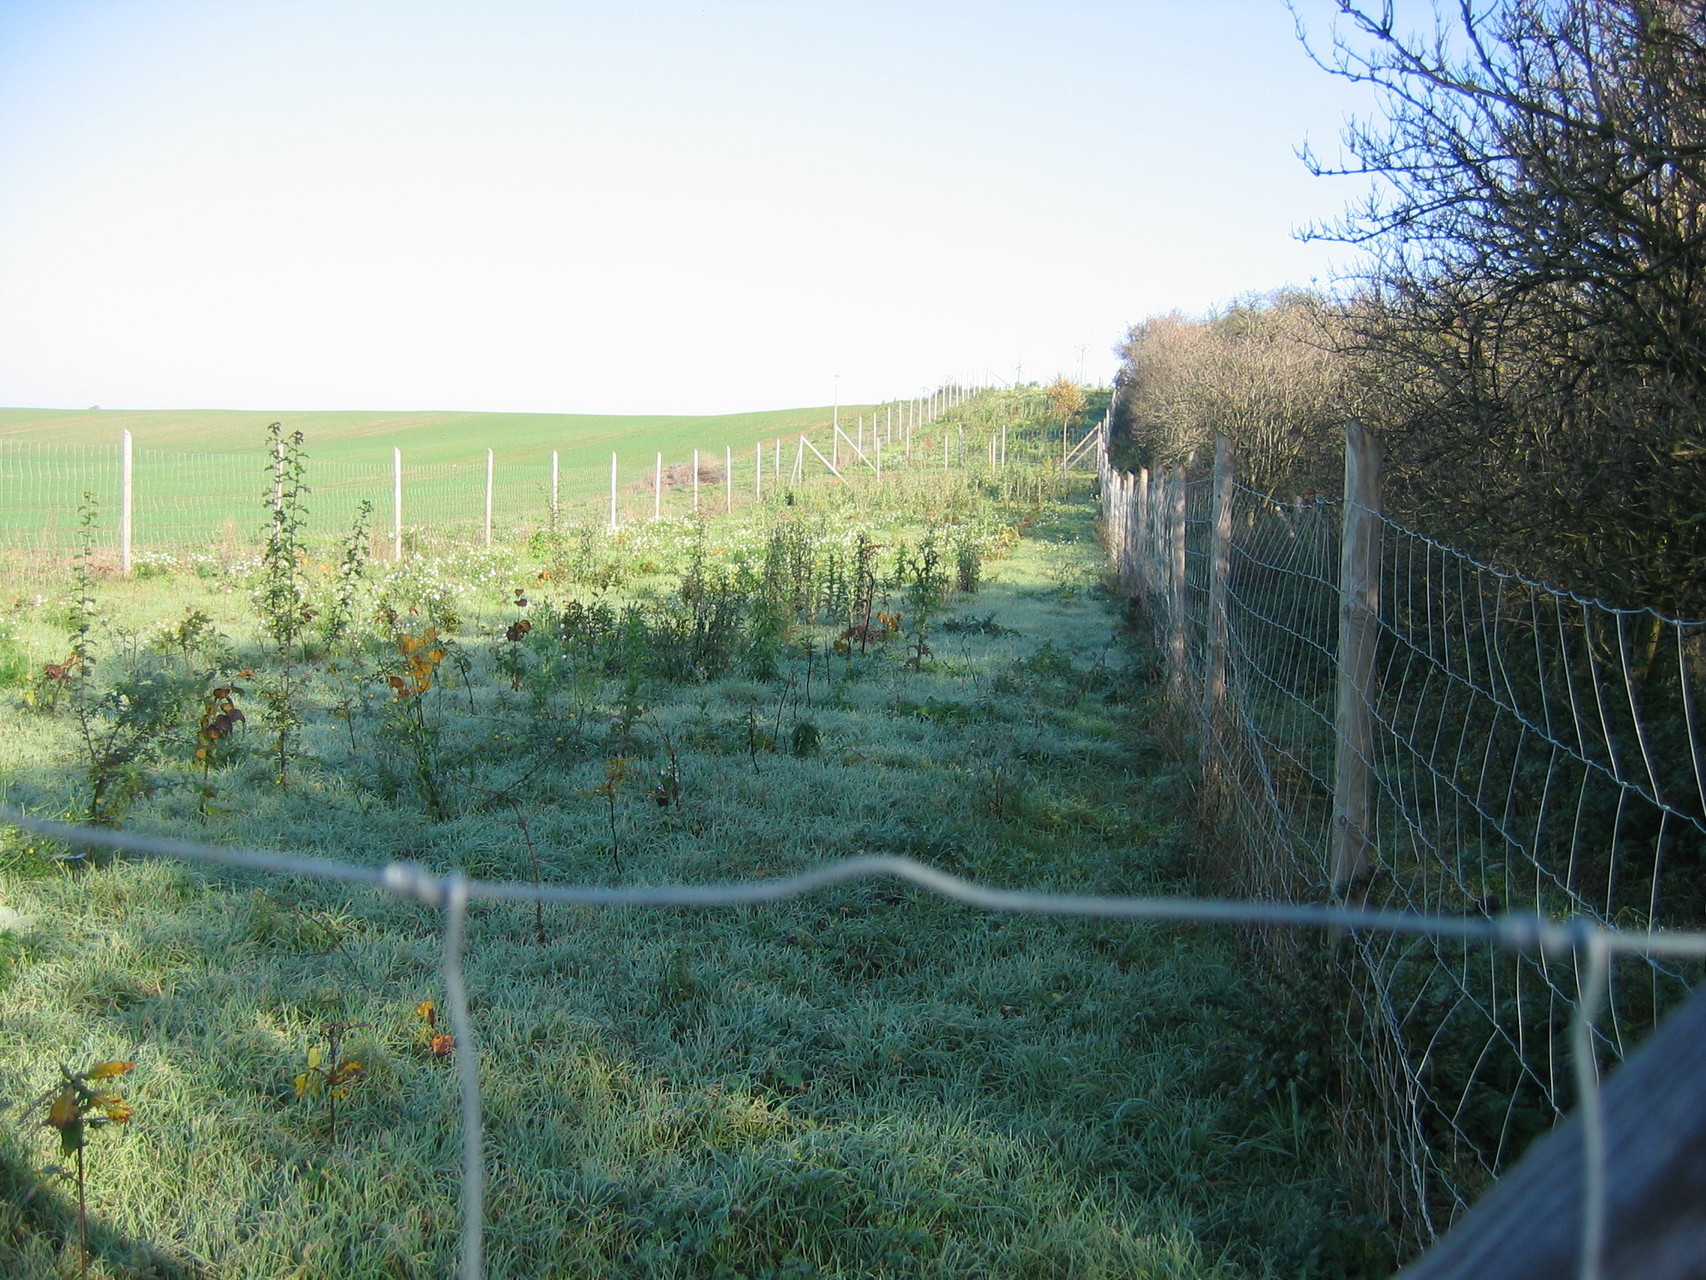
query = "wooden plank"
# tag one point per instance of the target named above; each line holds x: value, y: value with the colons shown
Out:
x: 826, y: 462
x: 1654, y: 1108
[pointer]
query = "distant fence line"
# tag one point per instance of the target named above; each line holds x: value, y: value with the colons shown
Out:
x: 159, y: 500
x: 1384, y: 720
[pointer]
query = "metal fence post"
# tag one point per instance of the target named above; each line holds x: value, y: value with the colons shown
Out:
x: 1359, y: 620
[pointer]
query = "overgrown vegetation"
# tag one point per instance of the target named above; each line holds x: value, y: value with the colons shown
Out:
x: 867, y: 1083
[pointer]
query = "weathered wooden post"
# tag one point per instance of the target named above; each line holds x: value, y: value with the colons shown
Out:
x: 1219, y: 572
x: 126, y: 475
x: 1177, y: 656
x: 1359, y: 622
x: 1220, y: 563
x: 1140, y: 549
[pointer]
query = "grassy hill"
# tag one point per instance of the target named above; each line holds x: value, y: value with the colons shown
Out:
x: 428, y: 436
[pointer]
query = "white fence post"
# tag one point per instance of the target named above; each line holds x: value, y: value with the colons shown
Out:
x: 397, y: 505
x: 696, y: 482
x: 126, y: 476
x: 488, y: 497
x: 553, y: 488
x: 613, y: 490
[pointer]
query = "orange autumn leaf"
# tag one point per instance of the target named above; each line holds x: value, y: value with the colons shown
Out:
x: 107, y: 1070
x: 441, y: 1045
x: 65, y: 1112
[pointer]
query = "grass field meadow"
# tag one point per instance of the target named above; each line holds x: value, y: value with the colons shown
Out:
x: 197, y: 472
x: 868, y: 1082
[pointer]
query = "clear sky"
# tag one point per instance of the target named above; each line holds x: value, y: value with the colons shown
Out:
x: 634, y: 206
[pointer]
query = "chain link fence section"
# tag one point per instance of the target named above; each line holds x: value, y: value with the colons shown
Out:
x: 1508, y: 747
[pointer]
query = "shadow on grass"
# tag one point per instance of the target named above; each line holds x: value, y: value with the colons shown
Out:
x: 38, y: 1231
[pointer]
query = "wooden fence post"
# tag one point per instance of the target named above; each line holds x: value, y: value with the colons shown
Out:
x: 1359, y: 621
x: 1219, y: 571
x: 1219, y: 567
x: 126, y: 475
x: 1140, y: 535
x: 1176, y: 643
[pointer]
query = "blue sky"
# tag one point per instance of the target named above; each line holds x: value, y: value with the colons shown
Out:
x: 637, y: 207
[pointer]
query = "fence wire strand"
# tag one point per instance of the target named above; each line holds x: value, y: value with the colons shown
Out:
x: 452, y: 892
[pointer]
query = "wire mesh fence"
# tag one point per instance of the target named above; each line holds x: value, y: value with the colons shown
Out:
x: 1505, y: 747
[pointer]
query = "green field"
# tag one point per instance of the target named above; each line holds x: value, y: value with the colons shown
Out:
x: 868, y: 1083
x: 198, y: 473
x: 358, y: 436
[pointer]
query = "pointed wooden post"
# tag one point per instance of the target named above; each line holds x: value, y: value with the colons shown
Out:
x: 1359, y: 625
